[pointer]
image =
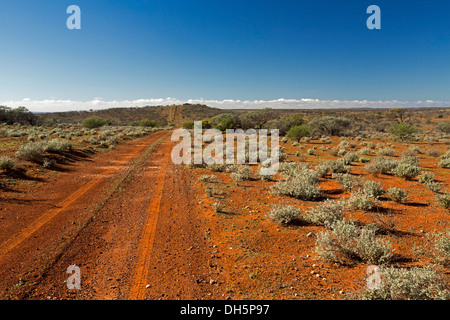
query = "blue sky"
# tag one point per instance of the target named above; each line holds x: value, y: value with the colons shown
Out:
x: 216, y: 50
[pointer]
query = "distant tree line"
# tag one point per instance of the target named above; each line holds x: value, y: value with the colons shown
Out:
x: 17, y: 115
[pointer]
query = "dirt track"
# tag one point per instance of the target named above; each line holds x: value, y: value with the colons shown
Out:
x: 125, y: 218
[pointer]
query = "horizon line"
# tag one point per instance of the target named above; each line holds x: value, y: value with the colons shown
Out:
x: 67, y: 105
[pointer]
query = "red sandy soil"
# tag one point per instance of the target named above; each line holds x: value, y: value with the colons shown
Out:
x: 140, y: 227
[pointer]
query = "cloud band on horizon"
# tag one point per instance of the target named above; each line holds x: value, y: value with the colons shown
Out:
x: 57, y: 105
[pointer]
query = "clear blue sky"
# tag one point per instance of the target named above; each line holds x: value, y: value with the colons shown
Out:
x: 225, y: 49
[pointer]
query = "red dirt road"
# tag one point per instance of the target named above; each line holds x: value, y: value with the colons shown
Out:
x: 124, y: 218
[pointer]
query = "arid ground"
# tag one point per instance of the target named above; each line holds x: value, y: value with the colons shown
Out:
x: 141, y: 227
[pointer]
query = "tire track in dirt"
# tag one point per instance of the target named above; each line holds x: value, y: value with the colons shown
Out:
x: 146, y: 243
x: 28, y: 231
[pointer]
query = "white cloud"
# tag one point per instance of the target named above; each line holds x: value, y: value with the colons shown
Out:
x: 52, y: 105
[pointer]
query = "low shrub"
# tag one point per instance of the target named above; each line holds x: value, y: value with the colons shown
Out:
x: 397, y: 194
x: 433, y: 153
x: 409, y: 284
x: 348, y: 181
x: 381, y: 165
x: 284, y: 214
x: 426, y: 177
x: 386, y: 152
x: 326, y: 213
x: 444, y: 199
x: 302, y: 186
x: 56, y: 146
x: 433, y: 186
x: 444, y: 163
x: 347, y: 242
x: 32, y: 151
x: 94, y: 122
x: 361, y: 201
x: 373, y: 189
x: 406, y: 171
x: 241, y: 174
x: 6, y: 163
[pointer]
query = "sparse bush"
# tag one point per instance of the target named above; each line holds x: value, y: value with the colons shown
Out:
x: 441, y: 248
x: 347, y: 242
x: 406, y: 171
x: 397, y: 194
x: 381, y: 165
x: 444, y: 163
x: 218, y: 206
x: 371, y: 249
x: 433, y: 153
x: 348, y: 181
x: 409, y: 159
x: 94, y: 122
x: 361, y: 201
x: 349, y: 158
x: 331, y: 126
x: 426, y: 177
x: 444, y: 199
x: 207, y: 178
x: 32, y: 151
x: 298, y: 132
x: 433, y: 186
x: 402, y: 131
x: 56, y: 146
x: 242, y: 173
x: 414, y: 150
x: 6, y: 163
x: 444, y: 126
x: 373, y: 189
x: 216, y: 167
x: 332, y: 166
x: 386, y: 152
x: 302, y: 186
x: 284, y: 214
x: 325, y: 213
x: 409, y: 284
x: 148, y: 123
x: 366, y: 152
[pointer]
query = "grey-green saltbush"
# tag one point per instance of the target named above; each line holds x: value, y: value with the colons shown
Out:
x: 284, y: 214
x: 6, y: 163
x: 444, y: 163
x: 56, y: 146
x: 31, y: 151
x: 406, y: 171
x: 386, y: 152
x: 346, y: 242
x: 242, y: 173
x: 397, y: 194
x: 348, y: 181
x: 301, y: 186
x: 361, y: 201
x: 409, y: 284
x: 444, y: 199
x: 325, y: 213
x: 381, y: 165
x: 373, y: 189
x: 426, y: 177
